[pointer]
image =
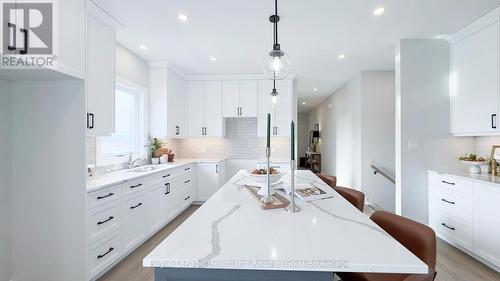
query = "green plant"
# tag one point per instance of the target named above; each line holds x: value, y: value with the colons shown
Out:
x: 154, y: 145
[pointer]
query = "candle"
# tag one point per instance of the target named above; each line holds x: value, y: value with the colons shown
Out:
x: 292, y: 127
x: 268, y: 130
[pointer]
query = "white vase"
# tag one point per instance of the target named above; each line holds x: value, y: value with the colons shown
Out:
x: 155, y: 161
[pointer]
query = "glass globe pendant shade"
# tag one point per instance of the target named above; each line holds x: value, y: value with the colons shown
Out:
x: 277, y: 65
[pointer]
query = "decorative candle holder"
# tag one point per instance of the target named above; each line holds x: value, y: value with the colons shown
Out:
x: 268, y: 199
x: 292, y: 207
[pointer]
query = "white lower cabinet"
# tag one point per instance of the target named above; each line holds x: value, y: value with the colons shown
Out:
x: 463, y: 213
x: 135, y: 214
x: 122, y: 216
x: 210, y: 179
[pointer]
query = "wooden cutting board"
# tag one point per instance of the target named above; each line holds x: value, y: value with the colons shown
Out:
x: 280, y: 203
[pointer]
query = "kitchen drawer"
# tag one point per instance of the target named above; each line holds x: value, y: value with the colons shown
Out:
x: 103, y: 196
x: 163, y: 176
x: 452, y: 230
x: 451, y: 202
x: 451, y: 183
x: 134, y: 186
x: 186, y: 181
x: 135, y: 220
x: 186, y: 197
x: 187, y: 168
x: 103, y: 220
x: 103, y: 253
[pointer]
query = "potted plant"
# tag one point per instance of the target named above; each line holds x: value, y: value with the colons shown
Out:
x: 153, y: 146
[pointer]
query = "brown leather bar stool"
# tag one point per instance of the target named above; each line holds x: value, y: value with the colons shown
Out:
x: 355, y: 197
x: 416, y: 237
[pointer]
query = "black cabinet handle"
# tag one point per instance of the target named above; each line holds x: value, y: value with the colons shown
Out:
x: 103, y: 255
x: 187, y: 169
x: 136, y: 206
x: 447, y: 182
x: 167, y: 190
x: 188, y: 181
x: 134, y: 186
x: 241, y: 111
x: 90, y: 120
x: 105, y: 196
x: 177, y: 130
x: 493, y: 121
x: 449, y: 202
x: 166, y: 176
x: 105, y: 221
x: 25, y: 50
x: 187, y: 198
x: 449, y: 227
x: 217, y: 168
x: 13, y: 28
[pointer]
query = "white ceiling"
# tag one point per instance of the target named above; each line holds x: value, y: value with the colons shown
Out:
x: 312, y: 32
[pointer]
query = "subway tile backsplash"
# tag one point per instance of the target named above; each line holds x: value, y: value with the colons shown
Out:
x: 482, y: 145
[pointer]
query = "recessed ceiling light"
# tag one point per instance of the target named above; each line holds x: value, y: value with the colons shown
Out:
x: 341, y: 56
x: 304, y: 103
x: 143, y: 47
x: 379, y: 11
x: 315, y: 89
x: 182, y: 17
x: 213, y: 59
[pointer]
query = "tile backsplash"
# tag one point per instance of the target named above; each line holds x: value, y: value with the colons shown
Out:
x: 482, y: 145
x: 241, y: 141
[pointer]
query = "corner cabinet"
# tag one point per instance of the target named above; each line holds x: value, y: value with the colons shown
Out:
x: 100, y: 82
x: 205, y: 109
x: 463, y: 212
x: 475, y: 77
x: 281, y: 113
x: 168, y: 104
x: 211, y: 177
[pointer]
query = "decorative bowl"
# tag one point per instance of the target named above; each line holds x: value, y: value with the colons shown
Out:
x: 273, y: 178
x: 474, y: 166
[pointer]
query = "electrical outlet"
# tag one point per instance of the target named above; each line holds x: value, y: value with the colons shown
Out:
x: 412, y: 145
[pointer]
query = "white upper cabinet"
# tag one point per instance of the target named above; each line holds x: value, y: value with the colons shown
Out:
x: 168, y: 102
x: 240, y: 98
x: 475, y: 77
x: 281, y: 113
x: 100, y: 82
x: 205, y: 108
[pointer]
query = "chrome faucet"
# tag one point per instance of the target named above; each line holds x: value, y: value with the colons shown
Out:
x: 133, y: 163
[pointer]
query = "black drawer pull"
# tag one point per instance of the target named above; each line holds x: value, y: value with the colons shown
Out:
x: 105, y: 196
x: 103, y: 255
x: 493, y: 121
x: 136, y: 206
x: 188, y: 181
x: 166, y: 176
x: 449, y: 227
x: 447, y: 182
x: 187, y: 198
x: 449, y: 202
x: 187, y: 169
x: 137, y: 185
x: 167, y: 189
x: 105, y: 221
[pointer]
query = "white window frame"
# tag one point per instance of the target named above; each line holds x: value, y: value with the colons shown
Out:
x: 140, y: 150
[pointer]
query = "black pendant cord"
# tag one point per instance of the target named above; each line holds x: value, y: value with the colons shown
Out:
x: 276, y: 22
x: 274, y: 84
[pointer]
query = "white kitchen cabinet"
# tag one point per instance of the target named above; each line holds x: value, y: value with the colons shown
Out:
x: 167, y: 100
x: 240, y: 98
x: 487, y: 222
x: 210, y: 178
x: 462, y: 212
x: 135, y: 220
x: 475, y: 77
x: 100, y: 82
x: 205, y: 108
x: 281, y: 113
x: 158, y: 206
x: 103, y: 253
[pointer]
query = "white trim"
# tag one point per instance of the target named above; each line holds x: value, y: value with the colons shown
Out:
x: 168, y: 65
x: 103, y: 17
x: 251, y: 76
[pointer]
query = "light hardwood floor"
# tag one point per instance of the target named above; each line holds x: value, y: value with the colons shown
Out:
x: 452, y: 264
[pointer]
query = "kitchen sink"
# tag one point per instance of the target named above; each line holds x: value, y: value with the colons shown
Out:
x: 143, y: 169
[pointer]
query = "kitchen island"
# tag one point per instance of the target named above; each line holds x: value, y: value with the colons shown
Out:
x: 231, y: 238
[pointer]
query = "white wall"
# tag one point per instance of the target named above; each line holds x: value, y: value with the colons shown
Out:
x: 423, y: 118
x: 339, y: 118
x: 48, y: 180
x: 302, y: 133
x: 131, y: 67
x: 378, y: 136
x: 5, y: 182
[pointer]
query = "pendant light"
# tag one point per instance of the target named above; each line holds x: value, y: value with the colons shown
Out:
x: 276, y: 63
x: 275, y: 98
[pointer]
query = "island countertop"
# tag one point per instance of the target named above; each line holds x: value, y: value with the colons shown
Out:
x: 230, y: 231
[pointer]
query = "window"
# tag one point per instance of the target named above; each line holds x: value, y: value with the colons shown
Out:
x: 129, y: 137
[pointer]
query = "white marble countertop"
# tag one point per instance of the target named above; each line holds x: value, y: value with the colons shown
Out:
x: 483, y: 178
x: 107, y: 179
x: 231, y: 231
